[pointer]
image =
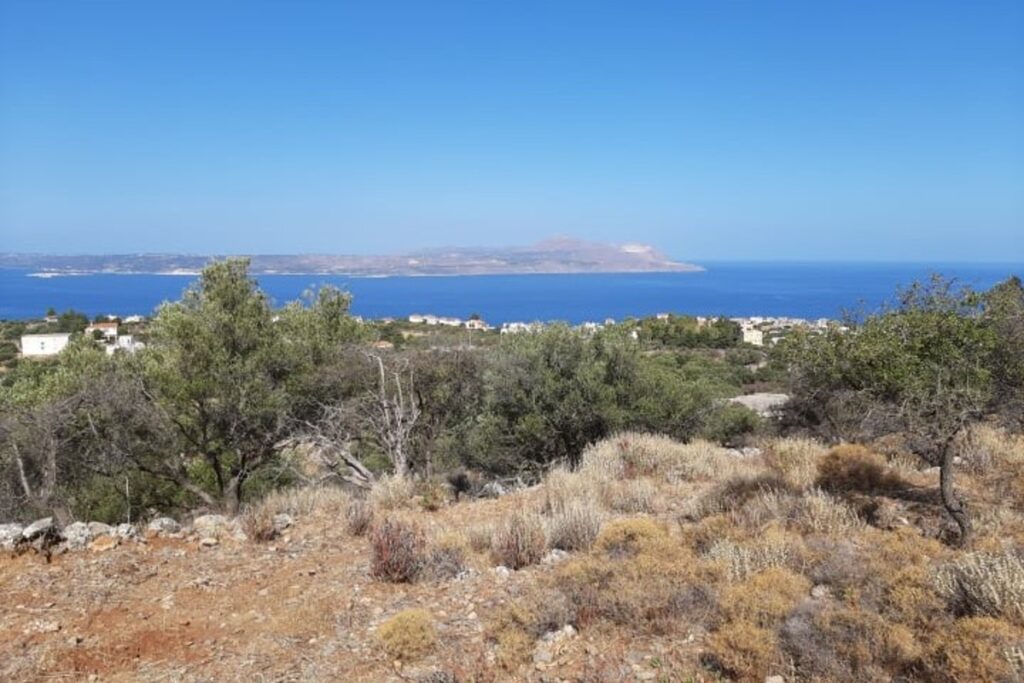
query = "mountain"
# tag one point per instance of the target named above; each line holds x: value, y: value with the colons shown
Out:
x: 556, y: 255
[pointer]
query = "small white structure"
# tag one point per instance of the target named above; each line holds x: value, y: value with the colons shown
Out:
x: 124, y: 342
x: 477, y: 324
x: 108, y: 330
x: 44, y: 344
x: 753, y: 336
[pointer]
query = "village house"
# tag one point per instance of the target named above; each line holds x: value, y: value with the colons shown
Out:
x: 477, y: 324
x: 108, y: 330
x: 752, y: 335
x: 39, y: 345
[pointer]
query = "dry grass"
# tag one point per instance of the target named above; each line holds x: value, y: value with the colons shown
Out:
x: 630, y: 455
x: 772, y: 550
x: 359, y: 517
x: 852, y: 467
x: 985, y: 584
x: 794, y: 459
x: 258, y: 520
x: 410, y: 634
x: 398, y: 551
x: 519, y: 541
x: 393, y: 493
x: 574, y: 528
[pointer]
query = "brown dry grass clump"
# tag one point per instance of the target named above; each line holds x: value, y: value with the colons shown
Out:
x: 358, y: 517
x: 851, y: 467
x: 408, y: 635
x: 977, y: 649
x: 794, y: 459
x: 519, y: 541
x: 398, y: 551
x: 574, y: 528
x: 744, y: 651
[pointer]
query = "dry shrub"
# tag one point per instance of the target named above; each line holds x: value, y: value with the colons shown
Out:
x: 519, y: 541
x: 398, y: 551
x: 794, y: 459
x: 392, y: 493
x: 358, y: 517
x: 733, y: 494
x: 740, y: 560
x: 631, y: 455
x: 985, y: 584
x: 977, y: 649
x: 985, y: 447
x: 852, y: 467
x: 410, y: 634
x: 480, y: 537
x: 764, y: 598
x: 637, y: 576
x: 744, y: 650
x: 564, y: 489
x: 817, y: 512
x: 258, y: 523
x: 632, y: 496
x: 447, y: 557
x: 431, y: 494
x: 574, y: 528
x: 834, y: 642
x: 518, y: 624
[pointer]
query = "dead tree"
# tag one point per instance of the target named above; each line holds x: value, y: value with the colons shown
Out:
x: 391, y: 414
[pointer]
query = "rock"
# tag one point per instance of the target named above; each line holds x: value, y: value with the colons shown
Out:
x: 282, y: 521
x: 502, y: 572
x: 42, y: 626
x: 492, y: 489
x: 126, y: 531
x: 40, y: 527
x: 208, y: 542
x: 9, y: 535
x: 821, y: 592
x: 104, y: 543
x: 77, y: 535
x: 163, y: 526
x: 217, y: 526
x: 99, y: 529
x: 774, y: 679
x: 554, y: 557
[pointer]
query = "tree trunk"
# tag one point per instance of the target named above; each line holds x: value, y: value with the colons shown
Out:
x: 954, y: 506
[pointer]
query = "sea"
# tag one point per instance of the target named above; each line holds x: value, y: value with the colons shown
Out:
x: 800, y: 290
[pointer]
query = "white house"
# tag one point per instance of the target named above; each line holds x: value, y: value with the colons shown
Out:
x: 752, y: 335
x: 44, y: 344
x: 107, y: 329
x: 477, y: 324
x: 124, y: 342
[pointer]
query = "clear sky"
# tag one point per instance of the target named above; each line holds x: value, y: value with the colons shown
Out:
x: 715, y: 130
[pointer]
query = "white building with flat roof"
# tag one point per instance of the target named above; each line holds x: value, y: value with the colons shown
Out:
x: 43, y: 344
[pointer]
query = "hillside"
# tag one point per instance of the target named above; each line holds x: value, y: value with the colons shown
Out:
x: 683, y: 563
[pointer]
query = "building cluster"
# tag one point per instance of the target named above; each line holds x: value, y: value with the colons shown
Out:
x: 760, y: 329
x: 105, y: 333
x: 443, y: 321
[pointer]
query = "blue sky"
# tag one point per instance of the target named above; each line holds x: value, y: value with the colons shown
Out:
x: 715, y: 130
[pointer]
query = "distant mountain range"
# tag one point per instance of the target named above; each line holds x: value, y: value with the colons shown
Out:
x: 557, y: 255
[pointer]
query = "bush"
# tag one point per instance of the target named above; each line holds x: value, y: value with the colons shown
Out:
x: 978, y: 649
x: 793, y: 459
x: 574, y: 528
x: 744, y: 650
x: 358, y: 517
x: 392, y: 493
x: 564, y: 489
x: 480, y: 537
x: 519, y: 542
x: 410, y: 634
x: 851, y: 467
x: 817, y: 512
x: 398, y: 551
x: 728, y: 423
x: 985, y: 584
x: 741, y: 560
x: 632, y: 496
x: 447, y: 557
x: 765, y: 598
x: 432, y: 494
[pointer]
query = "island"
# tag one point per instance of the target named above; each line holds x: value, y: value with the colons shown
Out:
x: 556, y: 255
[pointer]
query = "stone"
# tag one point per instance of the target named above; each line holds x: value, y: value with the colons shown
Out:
x: 77, y: 535
x: 492, y: 489
x: 208, y: 542
x: 163, y: 526
x: 554, y: 557
x: 38, y: 528
x: 99, y: 529
x: 217, y: 526
x: 774, y: 679
x: 821, y: 592
x: 502, y: 572
x: 9, y: 535
x: 126, y: 531
x: 283, y: 521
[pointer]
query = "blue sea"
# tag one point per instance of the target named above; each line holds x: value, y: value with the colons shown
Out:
x: 805, y: 290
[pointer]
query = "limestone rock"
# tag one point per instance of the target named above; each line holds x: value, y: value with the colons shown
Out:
x: 282, y: 521
x: 104, y: 543
x: 77, y: 535
x: 38, y: 528
x: 99, y: 529
x: 163, y: 526
x: 126, y: 531
x: 9, y: 535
